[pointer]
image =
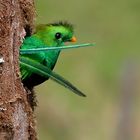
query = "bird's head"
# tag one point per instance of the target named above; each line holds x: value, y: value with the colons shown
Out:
x: 56, y: 34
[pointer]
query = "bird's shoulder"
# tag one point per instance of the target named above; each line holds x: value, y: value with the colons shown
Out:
x: 32, y: 42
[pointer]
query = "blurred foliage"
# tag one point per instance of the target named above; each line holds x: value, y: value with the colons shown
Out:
x: 108, y: 73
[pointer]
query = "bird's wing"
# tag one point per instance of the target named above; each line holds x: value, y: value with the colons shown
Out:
x: 31, y: 42
x: 24, y: 71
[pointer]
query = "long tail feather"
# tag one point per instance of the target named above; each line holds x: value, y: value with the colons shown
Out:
x: 45, y: 48
x: 45, y: 71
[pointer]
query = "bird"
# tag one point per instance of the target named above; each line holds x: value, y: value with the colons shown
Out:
x: 50, y: 35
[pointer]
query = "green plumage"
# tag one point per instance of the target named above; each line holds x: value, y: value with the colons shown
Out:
x: 47, y: 58
x: 37, y: 60
x: 45, y: 36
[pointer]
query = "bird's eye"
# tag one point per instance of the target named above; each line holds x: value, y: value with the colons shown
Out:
x: 58, y: 35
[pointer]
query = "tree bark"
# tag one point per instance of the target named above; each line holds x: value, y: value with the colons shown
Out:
x: 16, y: 112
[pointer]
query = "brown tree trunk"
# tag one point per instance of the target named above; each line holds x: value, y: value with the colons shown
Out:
x: 16, y: 113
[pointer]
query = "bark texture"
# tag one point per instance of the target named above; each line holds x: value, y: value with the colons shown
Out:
x: 16, y: 113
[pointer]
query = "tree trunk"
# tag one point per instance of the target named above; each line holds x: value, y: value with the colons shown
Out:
x: 16, y: 112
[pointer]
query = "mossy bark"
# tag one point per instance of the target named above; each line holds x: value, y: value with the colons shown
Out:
x: 17, y: 120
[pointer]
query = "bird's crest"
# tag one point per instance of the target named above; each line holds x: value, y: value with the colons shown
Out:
x: 59, y: 23
x: 62, y: 23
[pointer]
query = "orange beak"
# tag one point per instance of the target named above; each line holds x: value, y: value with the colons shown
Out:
x: 73, y: 39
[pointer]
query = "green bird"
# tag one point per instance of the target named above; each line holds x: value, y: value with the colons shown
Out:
x: 37, y: 66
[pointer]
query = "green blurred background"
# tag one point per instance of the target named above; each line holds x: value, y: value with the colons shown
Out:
x: 108, y: 73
